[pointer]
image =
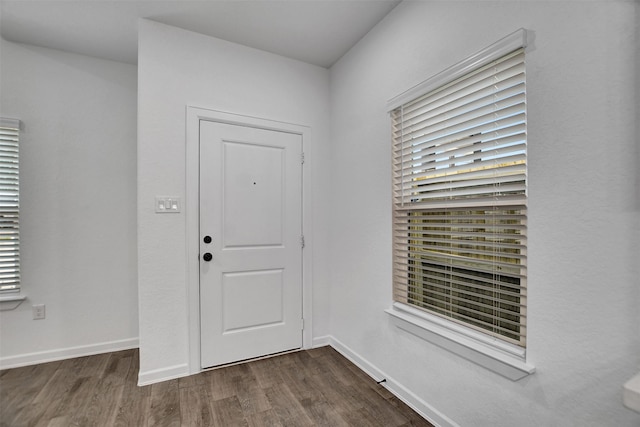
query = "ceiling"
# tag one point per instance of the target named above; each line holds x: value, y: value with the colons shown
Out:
x: 314, y: 31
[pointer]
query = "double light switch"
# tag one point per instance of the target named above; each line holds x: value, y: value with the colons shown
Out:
x: 167, y: 204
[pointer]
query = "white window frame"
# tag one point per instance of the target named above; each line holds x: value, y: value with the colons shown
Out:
x: 497, y: 355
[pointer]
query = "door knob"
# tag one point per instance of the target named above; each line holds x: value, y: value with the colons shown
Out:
x: 207, y: 239
x: 207, y: 257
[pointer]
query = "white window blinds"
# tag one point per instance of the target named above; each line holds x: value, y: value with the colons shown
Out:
x: 459, y: 197
x: 9, y: 206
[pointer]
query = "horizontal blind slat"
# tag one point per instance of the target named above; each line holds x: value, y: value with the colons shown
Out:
x: 459, y: 157
x: 506, y: 200
x: 490, y: 135
x: 493, y: 96
x: 475, y: 143
x: 468, y: 125
x: 495, y: 70
x: 9, y: 208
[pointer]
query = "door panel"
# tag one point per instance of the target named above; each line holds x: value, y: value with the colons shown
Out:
x: 251, y: 206
x: 253, y: 178
x: 261, y: 290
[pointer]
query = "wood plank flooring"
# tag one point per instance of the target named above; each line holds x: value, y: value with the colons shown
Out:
x: 316, y: 387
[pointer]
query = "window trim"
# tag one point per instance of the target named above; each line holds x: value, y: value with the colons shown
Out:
x: 492, y: 353
x: 498, y: 356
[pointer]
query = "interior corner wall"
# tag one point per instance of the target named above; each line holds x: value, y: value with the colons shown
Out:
x: 176, y: 69
x: 583, y: 223
x: 77, y: 203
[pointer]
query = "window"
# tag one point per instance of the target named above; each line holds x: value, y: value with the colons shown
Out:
x: 460, y: 194
x: 9, y: 206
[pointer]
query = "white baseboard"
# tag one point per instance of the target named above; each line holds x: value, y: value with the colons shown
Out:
x: 66, y: 353
x: 163, y: 374
x: 427, y: 411
x: 321, y: 341
x: 145, y: 378
x: 178, y: 371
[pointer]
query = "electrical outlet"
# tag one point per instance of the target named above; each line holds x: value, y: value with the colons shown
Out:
x: 38, y: 311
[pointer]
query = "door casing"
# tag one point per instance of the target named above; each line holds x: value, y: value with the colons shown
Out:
x: 192, y: 207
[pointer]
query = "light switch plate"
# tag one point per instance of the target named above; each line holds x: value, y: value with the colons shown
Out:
x: 167, y: 204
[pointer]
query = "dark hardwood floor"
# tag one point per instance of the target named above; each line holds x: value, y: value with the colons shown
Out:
x: 317, y: 387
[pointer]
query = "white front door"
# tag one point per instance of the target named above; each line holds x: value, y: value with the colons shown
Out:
x: 250, y: 242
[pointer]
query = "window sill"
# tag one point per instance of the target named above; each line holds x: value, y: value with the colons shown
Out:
x: 493, y: 354
x: 11, y: 302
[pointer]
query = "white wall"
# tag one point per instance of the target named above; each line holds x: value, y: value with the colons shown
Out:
x: 78, y: 195
x: 584, y: 216
x: 178, y: 68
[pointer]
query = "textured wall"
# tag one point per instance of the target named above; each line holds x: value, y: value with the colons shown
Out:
x: 78, y: 195
x: 179, y: 68
x: 584, y: 217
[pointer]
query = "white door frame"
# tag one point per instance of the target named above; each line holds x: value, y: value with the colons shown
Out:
x: 192, y: 210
